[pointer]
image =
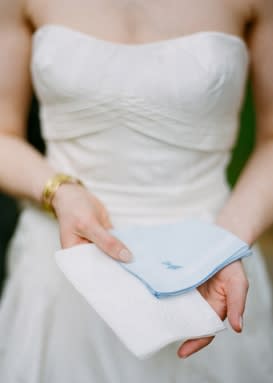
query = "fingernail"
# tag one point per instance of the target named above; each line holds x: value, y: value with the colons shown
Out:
x: 241, y: 322
x: 181, y: 354
x: 125, y: 255
x: 184, y: 356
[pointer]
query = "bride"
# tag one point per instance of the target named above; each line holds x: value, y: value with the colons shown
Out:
x: 139, y: 111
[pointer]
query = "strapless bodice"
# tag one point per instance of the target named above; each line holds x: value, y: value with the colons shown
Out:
x: 149, y: 127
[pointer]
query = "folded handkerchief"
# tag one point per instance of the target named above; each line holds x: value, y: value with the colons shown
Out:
x: 143, y: 323
x: 174, y: 258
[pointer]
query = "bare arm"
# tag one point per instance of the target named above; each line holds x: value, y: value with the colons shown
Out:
x: 249, y: 210
x: 23, y: 170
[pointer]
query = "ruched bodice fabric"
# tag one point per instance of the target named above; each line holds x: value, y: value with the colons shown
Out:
x: 148, y: 127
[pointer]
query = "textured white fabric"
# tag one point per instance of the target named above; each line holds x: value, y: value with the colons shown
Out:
x: 144, y: 323
x: 149, y: 128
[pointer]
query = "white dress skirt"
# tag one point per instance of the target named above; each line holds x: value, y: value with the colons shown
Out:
x: 149, y: 129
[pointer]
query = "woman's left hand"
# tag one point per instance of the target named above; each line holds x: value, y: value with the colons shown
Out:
x: 226, y: 292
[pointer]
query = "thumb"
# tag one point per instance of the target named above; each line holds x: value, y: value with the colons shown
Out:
x: 69, y: 239
x: 236, y: 299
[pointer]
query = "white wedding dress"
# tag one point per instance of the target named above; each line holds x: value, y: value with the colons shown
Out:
x: 149, y: 129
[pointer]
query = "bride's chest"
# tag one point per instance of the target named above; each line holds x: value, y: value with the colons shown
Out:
x: 205, y: 67
x: 139, y: 21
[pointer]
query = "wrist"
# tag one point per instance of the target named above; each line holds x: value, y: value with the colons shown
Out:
x: 235, y: 225
x: 51, y: 192
x: 62, y: 194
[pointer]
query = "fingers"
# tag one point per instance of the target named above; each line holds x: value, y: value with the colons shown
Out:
x: 226, y: 293
x: 111, y: 245
x: 215, y: 298
x: 70, y: 240
x: 236, y: 300
x: 193, y: 345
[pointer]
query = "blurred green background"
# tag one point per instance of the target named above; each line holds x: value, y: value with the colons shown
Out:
x: 8, y: 209
x: 246, y: 139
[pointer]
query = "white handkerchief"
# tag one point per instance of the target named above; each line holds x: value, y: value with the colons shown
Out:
x: 144, y: 323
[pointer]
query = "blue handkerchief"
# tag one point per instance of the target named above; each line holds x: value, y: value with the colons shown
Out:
x: 174, y: 258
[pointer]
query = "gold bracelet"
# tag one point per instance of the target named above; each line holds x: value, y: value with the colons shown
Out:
x: 52, y: 186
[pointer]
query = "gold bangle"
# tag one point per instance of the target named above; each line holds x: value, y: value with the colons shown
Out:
x: 52, y: 186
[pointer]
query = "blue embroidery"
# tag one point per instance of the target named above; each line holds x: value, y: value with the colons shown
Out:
x: 170, y: 265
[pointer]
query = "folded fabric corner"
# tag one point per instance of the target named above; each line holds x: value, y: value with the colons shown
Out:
x: 175, y: 258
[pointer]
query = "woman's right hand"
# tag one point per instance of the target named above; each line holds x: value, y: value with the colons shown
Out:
x: 83, y: 218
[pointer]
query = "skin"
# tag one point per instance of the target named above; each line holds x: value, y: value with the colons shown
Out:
x: 82, y: 216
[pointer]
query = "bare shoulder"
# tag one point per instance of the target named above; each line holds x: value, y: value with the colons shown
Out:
x: 13, y: 17
x: 253, y: 11
x: 261, y: 50
x: 15, y: 86
x: 12, y: 11
x: 263, y: 9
